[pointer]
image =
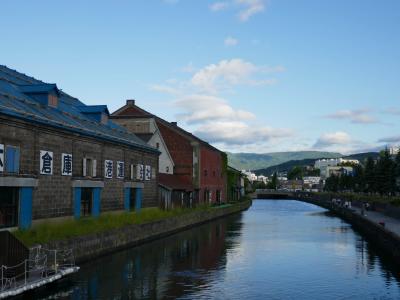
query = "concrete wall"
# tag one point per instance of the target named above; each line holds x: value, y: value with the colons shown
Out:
x: 91, y: 246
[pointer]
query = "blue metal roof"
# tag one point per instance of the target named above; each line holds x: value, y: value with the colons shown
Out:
x: 69, y: 115
x: 38, y: 88
x: 91, y: 109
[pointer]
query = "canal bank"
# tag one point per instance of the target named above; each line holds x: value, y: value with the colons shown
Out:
x: 374, y: 226
x: 91, y: 246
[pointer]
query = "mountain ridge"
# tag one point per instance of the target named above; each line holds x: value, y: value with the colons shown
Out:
x: 254, y: 161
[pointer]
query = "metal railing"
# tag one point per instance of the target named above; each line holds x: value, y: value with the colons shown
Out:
x: 41, y: 264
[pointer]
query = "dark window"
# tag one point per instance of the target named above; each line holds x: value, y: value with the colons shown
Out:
x: 214, y: 173
x: 8, y: 207
x: 86, y: 201
x: 12, y: 159
x: 205, y: 172
x: 158, y: 145
x: 218, y: 196
x: 132, y: 199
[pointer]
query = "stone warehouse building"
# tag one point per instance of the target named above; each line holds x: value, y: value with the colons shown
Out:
x: 191, y: 170
x: 60, y: 157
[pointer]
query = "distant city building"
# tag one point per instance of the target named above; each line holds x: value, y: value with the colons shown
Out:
x: 250, y: 175
x: 262, y: 178
x: 337, y: 171
x: 394, y: 150
x: 311, y: 179
x: 328, y: 167
x: 320, y: 163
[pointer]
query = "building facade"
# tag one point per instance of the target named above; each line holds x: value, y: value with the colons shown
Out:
x: 62, y: 158
x: 197, y: 174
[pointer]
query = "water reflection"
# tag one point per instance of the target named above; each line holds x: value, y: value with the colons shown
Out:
x: 276, y: 250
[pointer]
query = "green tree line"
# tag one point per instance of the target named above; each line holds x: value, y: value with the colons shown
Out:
x: 379, y: 176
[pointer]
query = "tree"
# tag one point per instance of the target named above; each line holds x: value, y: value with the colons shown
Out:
x: 295, y: 173
x: 397, y: 169
x: 358, y: 178
x: 385, y: 177
x: 273, y: 184
x: 332, y: 183
x: 369, y: 175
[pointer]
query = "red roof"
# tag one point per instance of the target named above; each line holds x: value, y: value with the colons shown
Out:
x: 174, y: 182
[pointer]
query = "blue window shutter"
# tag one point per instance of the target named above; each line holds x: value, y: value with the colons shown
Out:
x: 16, y: 160
x: 10, y: 159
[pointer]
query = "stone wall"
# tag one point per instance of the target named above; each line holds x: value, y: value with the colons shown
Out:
x: 91, y: 246
x: 53, y: 197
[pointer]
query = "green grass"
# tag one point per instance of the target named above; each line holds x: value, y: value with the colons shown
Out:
x: 53, y: 231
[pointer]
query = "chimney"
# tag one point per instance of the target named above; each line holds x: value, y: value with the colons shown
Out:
x: 130, y: 102
x: 174, y: 123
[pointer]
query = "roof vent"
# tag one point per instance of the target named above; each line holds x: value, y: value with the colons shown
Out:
x: 98, y: 113
x: 46, y: 94
x: 174, y: 123
x: 130, y: 102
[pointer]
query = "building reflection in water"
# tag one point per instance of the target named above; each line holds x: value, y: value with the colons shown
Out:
x: 153, y: 270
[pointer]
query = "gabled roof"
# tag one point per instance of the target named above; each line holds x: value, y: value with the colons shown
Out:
x: 132, y: 110
x: 68, y: 115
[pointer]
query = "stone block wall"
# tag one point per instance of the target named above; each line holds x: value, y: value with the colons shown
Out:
x: 53, y: 197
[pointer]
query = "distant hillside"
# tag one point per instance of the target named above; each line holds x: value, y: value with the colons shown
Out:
x: 254, y: 161
x: 287, y: 166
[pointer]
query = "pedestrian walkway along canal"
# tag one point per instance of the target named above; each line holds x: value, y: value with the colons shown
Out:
x: 278, y: 249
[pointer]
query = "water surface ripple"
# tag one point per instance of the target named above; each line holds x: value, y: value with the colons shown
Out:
x: 278, y: 249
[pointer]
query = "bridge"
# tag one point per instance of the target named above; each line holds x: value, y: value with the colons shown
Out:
x: 273, y: 194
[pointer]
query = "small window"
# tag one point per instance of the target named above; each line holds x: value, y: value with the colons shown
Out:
x: 205, y: 172
x: 12, y: 159
x: 158, y: 145
x: 89, y: 167
x: 167, y: 169
x: 214, y: 173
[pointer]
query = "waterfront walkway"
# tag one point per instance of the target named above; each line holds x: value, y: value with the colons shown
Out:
x: 391, y: 224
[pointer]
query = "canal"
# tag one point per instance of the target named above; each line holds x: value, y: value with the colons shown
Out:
x: 278, y: 249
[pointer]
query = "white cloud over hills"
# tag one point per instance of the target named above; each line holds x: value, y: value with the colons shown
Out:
x: 203, y: 107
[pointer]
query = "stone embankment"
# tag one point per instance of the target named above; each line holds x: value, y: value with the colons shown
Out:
x: 91, y: 246
x: 379, y: 228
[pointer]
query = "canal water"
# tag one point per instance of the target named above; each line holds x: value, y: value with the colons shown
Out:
x: 278, y: 249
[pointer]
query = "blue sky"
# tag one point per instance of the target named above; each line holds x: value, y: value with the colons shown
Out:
x: 246, y: 75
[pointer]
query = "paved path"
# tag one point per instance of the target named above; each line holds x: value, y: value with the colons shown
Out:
x: 391, y: 224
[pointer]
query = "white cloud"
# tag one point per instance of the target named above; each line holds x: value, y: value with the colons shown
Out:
x: 209, y: 115
x: 230, y: 41
x: 390, y: 139
x: 329, y: 139
x: 250, y: 8
x: 239, y: 133
x: 232, y: 72
x: 217, y: 6
x: 164, y: 89
x: 359, y: 116
x: 201, y: 108
x: 246, y: 8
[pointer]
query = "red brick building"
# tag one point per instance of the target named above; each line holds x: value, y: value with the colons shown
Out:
x: 199, y: 173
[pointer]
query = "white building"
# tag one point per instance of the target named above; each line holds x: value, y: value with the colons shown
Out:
x: 311, y: 180
x: 333, y: 162
x: 394, y: 150
x: 262, y: 178
x: 250, y: 175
